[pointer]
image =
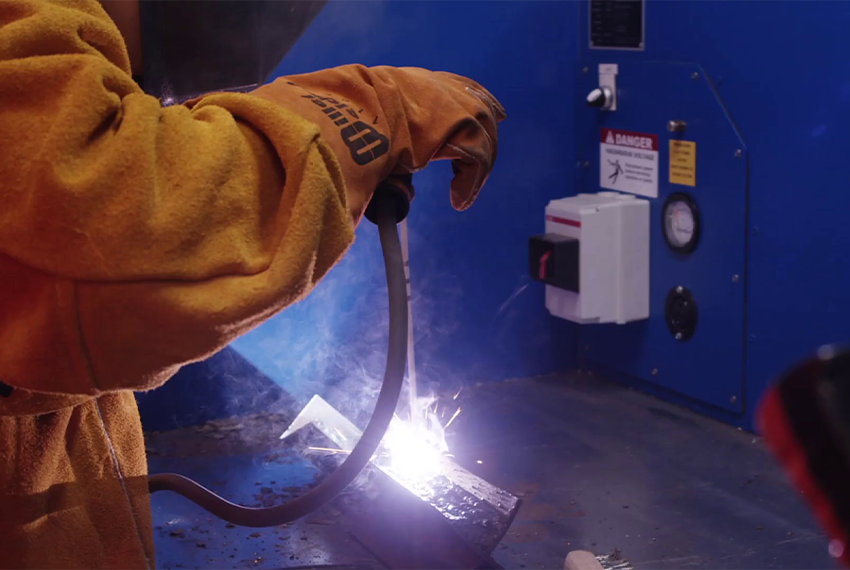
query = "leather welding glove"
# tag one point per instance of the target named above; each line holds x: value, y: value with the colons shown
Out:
x: 382, y: 121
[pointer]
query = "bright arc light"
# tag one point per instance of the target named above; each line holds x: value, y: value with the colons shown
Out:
x: 410, y: 451
x: 413, y: 451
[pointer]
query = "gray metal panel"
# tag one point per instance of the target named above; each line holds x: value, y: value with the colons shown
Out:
x: 195, y: 47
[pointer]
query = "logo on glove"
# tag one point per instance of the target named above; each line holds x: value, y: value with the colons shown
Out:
x: 364, y: 142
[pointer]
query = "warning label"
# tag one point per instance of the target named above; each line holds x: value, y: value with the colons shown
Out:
x: 628, y: 162
x: 683, y: 163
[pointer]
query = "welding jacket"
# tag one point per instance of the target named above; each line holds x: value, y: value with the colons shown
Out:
x: 136, y: 238
x: 133, y: 239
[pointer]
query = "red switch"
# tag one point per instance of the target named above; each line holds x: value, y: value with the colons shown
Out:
x: 553, y: 260
x: 543, y: 259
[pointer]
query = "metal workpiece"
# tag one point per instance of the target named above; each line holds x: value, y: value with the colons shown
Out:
x: 404, y: 531
x: 465, y: 513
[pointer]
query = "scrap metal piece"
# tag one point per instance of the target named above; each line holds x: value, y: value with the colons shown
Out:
x: 614, y: 561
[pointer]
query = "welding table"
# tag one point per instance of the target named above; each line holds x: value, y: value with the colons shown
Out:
x: 599, y: 467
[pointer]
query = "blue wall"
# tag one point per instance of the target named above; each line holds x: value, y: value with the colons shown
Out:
x: 781, y: 71
x: 476, y: 317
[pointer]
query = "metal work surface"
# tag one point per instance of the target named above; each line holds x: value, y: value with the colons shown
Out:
x: 599, y: 467
x: 604, y: 468
x: 450, y: 521
x: 243, y: 460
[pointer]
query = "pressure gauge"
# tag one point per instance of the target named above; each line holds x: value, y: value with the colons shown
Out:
x: 681, y: 223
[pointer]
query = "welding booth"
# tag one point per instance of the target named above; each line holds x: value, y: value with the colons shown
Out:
x: 664, y: 234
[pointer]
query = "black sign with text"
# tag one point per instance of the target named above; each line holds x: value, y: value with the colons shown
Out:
x: 616, y: 24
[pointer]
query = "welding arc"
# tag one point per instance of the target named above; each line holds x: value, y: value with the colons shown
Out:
x: 387, y: 217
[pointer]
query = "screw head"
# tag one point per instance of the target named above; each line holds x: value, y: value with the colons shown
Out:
x: 694, y: 75
x: 680, y: 289
x: 678, y: 336
x: 586, y: 164
x: 739, y: 153
x: 735, y: 278
x: 676, y: 126
x: 585, y: 70
x: 587, y: 348
x: 733, y: 399
x: 655, y: 372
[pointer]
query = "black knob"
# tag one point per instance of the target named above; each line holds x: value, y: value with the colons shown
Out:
x: 601, y: 97
x: 596, y: 98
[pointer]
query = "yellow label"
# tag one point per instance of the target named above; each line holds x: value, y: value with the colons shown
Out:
x: 683, y: 163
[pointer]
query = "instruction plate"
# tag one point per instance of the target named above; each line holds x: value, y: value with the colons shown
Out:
x: 616, y: 24
x: 628, y: 162
x: 683, y: 163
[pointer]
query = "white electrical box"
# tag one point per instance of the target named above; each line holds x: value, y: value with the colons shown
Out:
x: 612, y: 265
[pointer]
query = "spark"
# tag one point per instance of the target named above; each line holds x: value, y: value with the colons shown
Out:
x: 456, y: 414
x: 457, y: 393
x: 328, y: 450
x: 479, y: 462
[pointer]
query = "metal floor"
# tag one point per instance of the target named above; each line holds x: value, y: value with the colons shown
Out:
x: 599, y: 467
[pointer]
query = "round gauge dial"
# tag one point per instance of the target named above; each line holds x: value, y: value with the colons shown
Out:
x: 681, y: 223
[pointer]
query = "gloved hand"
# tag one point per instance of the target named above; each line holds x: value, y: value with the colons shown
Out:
x: 384, y: 120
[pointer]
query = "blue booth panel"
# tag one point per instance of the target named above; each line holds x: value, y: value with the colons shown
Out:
x: 780, y: 75
x: 710, y: 366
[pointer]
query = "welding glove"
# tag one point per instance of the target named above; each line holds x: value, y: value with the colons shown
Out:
x: 386, y: 121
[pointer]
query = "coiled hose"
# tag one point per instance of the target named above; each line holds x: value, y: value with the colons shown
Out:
x: 386, y: 209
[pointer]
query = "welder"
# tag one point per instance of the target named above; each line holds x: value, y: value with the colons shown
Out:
x: 137, y: 237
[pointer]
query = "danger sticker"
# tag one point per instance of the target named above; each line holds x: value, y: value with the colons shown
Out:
x: 628, y: 162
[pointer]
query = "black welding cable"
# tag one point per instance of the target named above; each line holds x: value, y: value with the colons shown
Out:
x: 387, y: 216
